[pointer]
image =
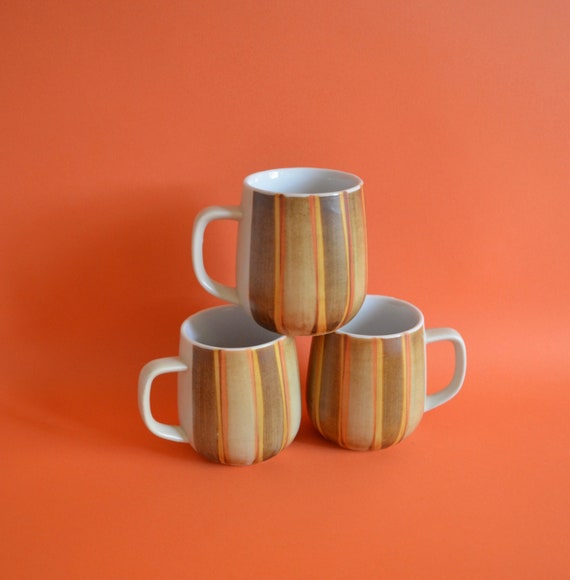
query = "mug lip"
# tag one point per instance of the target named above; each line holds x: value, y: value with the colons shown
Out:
x: 185, y: 326
x: 358, y: 183
x: 376, y: 298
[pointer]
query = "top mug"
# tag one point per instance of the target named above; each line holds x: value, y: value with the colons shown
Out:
x: 301, y: 249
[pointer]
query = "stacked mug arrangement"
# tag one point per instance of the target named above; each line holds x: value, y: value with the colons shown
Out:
x: 301, y: 270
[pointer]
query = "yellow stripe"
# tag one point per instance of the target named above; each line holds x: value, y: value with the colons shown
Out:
x: 258, y: 404
x: 284, y: 390
x: 379, y: 388
x: 321, y: 294
x: 278, y: 297
x: 218, y: 383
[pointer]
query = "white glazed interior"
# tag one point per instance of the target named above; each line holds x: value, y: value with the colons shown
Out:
x: 227, y: 327
x: 303, y: 181
x: 382, y: 316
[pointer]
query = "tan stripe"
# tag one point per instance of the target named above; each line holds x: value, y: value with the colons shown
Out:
x: 378, y: 393
x: 292, y: 382
x: 348, y: 253
x: 284, y: 389
x: 406, y: 374
x: 258, y: 403
x: 219, y: 417
x: 319, y: 252
x: 241, y: 434
x: 298, y: 268
x: 224, y: 405
x: 408, y: 360
x: 417, y: 380
x: 359, y: 253
x: 344, y: 389
x: 359, y: 265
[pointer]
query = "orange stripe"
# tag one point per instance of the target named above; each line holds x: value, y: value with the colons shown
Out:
x: 378, y: 388
x: 284, y: 388
x: 345, y: 215
x: 219, y: 414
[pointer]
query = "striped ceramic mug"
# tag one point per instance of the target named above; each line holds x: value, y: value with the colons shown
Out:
x: 366, y: 384
x: 239, y: 398
x: 301, y: 249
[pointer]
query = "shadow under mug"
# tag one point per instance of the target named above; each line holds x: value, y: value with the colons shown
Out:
x: 366, y: 385
x: 239, y: 396
x: 301, y: 250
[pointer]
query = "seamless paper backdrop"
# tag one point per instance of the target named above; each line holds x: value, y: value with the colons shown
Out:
x: 121, y: 120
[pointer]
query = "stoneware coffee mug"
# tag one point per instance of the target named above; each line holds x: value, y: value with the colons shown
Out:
x: 239, y: 398
x: 366, y: 385
x: 301, y: 249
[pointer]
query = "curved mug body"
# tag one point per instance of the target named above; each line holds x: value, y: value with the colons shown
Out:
x: 301, y: 252
x: 239, y: 398
x: 366, y: 386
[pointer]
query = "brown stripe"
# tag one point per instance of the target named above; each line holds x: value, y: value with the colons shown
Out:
x: 263, y: 247
x: 205, y: 399
x: 279, y: 262
x: 329, y: 403
x: 314, y: 380
x: 345, y: 387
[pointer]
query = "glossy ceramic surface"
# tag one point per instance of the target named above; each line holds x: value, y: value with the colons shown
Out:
x: 366, y: 385
x: 239, y: 396
x: 301, y: 256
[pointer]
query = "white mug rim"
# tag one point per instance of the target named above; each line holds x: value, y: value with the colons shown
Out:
x: 188, y: 336
x: 250, y: 181
x: 372, y: 301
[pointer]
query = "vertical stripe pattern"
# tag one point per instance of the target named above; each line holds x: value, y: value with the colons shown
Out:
x: 366, y: 393
x: 246, y: 402
x: 308, y: 262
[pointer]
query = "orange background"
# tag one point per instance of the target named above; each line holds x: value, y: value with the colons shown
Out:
x: 121, y: 120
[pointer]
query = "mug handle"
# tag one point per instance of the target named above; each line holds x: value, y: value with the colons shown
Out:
x: 447, y: 393
x: 148, y: 373
x: 206, y: 216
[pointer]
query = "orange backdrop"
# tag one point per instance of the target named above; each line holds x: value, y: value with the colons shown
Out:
x: 121, y: 120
